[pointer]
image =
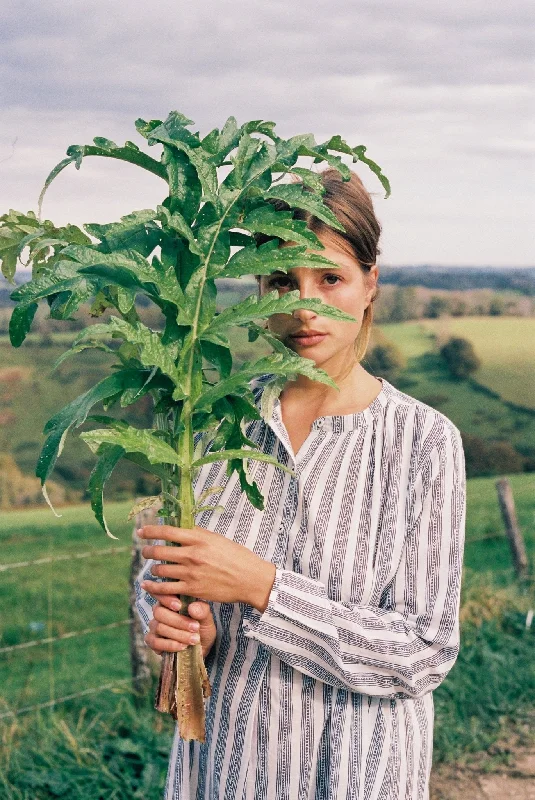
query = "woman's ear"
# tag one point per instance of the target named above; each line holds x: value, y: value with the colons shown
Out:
x: 372, y: 276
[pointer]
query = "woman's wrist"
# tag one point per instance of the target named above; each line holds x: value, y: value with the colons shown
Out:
x: 260, y: 583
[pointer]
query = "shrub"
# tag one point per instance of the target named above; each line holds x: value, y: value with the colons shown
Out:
x: 490, y: 458
x: 385, y: 360
x: 460, y: 357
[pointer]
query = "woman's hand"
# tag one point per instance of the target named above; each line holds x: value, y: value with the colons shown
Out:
x: 207, y: 566
x: 170, y: 631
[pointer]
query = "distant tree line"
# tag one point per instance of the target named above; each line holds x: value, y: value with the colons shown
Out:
x: 462, y: 278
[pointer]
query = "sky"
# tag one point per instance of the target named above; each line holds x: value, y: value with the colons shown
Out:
x: 441, y: 94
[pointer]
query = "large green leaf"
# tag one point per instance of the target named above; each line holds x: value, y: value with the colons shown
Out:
x: 255, y: 307
x: 133, y: 440
x: 75, y: 413
x: 228, y: 455
x: 276, y: 364
x: 108, y: 457
x: 296, y: 197
x: 64, y: 276
x: 136, y: 231
x: 130, y: 153
x: 151, y: 351
x: 266, y: 219
x: 268, y: 258
x: 21, y: 322
x: 174, y: 133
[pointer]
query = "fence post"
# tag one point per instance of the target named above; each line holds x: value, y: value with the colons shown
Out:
x: 507, y: 506
x: 139, y: 652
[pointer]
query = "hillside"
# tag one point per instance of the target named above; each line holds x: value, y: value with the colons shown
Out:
x: 506, y: 347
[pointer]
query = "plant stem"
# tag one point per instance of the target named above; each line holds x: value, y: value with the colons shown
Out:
x: 183, y: 683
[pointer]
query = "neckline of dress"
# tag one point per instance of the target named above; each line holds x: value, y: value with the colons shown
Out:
x: 343, y: 422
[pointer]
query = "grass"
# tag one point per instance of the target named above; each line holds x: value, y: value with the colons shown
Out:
x: 473, y: 411
x: 104, y: 746
x: 505, y: 345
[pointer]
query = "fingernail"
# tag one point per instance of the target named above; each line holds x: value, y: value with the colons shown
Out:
x: 194, y: 626
x: 195, y: 638
x: 139, y: 532
x: 176, y: 605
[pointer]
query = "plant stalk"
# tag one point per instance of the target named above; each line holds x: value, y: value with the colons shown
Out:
x: 183, y: 683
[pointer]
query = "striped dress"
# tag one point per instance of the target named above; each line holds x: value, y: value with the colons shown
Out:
x: 327, y: 695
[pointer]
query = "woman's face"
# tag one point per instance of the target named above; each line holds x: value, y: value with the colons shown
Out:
x: 329, y: 343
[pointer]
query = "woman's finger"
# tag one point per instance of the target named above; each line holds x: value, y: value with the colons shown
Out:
x: 199, y: 610
x: 174, y: 620
x: 167, y: 532
x: 174, y: 603
x: 160, y: 645
x: 159, y: 588
x: 176, y: 634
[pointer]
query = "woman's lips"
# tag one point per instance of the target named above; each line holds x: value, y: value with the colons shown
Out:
x: 308, y: 338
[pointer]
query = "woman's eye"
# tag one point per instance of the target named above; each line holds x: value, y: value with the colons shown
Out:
x: 332, y: 279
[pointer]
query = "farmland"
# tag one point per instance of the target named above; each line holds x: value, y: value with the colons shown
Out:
x: 59, y: 597
x: 506, y: 347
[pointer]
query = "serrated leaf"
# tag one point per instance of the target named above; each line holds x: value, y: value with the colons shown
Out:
x: 217, y: 355
x: 174, y: 133
x: 230, y: 455
x: 255, y: 307
x: 266, y: 219
x: 296, y: 197
x: 177, y: 223
x: 76, y: 412
x: 270, y: 395
x: 134, y: 440
x: 269, y: 257
x: 375, y: 168
x: 151, y: 351
x: 108, y: 457
x: 79, y: 348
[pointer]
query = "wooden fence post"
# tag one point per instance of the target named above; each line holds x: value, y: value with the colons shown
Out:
x: 139, y: 652
x: 507, y: 506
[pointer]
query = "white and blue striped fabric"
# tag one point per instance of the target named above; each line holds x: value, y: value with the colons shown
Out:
x: 327, y: 695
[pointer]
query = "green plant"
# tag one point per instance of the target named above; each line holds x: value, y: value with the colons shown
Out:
x: 172, y: 257
x: 460, y: 357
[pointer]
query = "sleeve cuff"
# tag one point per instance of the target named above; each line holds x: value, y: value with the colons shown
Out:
x: 294, y: 598
x: 252, y: 616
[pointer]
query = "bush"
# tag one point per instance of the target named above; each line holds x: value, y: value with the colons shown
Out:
x: 385, y: 360
x: 436, y: 307
x: 490, y: 458
x: 460, y: 357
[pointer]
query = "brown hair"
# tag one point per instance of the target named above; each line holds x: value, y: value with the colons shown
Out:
x: 352, y: 205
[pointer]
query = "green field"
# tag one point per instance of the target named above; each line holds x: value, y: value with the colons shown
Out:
x: 52, y: 599
x: 101, y: 745
x: 473, y: 410
x: 506, y: 347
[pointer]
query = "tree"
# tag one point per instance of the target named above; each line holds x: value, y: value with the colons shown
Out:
x: 437, y: 306
x: 404, y: 304
x: 460, y: 357
x: 385, y: 360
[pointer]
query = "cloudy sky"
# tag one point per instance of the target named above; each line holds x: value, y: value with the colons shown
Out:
x: 441, y: 94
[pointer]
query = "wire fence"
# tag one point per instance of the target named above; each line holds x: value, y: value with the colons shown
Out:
x: 138, y: 655
x: 138, y: 652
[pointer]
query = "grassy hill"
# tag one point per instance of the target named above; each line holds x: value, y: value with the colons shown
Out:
x: 472, y: 408
x: 506, y: 347
x: 30, y: 393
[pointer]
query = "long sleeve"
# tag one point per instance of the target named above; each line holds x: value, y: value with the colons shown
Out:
x: 405, y: 647
x: 144, y: 602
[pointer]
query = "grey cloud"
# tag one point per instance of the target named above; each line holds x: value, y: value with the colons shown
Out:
x: 108, y: 55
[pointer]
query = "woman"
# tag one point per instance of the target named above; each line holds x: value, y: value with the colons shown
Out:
x: 327, y: 619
